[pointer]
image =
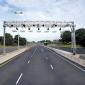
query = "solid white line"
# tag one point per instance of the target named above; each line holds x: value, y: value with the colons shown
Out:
x: 28, y: 61
x: 69, y: 62
x: 32, y: 55
x: 51, y: 67
x: 19, y: 78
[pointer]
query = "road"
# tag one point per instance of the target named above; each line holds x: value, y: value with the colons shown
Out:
x: 41, y: 66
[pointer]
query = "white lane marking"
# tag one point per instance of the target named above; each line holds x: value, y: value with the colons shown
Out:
x: 51, y: 67
x: 46, y: 58
x: 32, y: 55
x: 28, y: 61
x: 33, y: 52
x: 19, y: 78
x: 69, y: 62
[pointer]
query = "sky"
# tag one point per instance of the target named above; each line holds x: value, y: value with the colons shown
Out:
x: 42, y: 10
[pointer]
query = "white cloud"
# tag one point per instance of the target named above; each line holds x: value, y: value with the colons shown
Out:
x: 35, y: 15
x: 29, y: 3
x: 51, y: 9
x: 58, y: 10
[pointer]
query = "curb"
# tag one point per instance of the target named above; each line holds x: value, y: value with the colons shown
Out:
x: 75, y: 58
x: 10, y: 56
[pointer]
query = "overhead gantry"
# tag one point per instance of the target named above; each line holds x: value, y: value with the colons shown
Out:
x: 44, y: 24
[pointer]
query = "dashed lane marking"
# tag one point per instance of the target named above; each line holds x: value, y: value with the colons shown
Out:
x: 46, y: 58
x: 28, y: 61
x: 51, y: 67
x: 19, y: 78
x: 34, y: 52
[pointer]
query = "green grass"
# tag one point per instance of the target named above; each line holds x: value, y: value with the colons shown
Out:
x: 65, y: 45
x: 69, y: 46
x: 1, y: 46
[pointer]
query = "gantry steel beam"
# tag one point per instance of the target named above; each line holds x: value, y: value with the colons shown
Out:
x: 49, y: 24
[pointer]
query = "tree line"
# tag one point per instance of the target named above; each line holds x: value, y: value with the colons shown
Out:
x: 79, y: 35
x: 12, y: 41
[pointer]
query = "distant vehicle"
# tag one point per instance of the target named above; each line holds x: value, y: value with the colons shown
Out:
x: 45, y: 43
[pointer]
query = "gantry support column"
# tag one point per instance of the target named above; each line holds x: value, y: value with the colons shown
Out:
x: 73, y: 39
x: 4, y: 40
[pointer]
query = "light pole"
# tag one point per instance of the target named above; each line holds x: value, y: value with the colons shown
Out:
x: 17, y: 13
x: 4, y: 41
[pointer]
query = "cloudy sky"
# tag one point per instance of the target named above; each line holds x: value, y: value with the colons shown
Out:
x: 36, y: 10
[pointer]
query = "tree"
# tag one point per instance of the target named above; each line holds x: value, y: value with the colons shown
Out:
x: 16, y: 39
x: 46, y: 42
x: 1, y: 40
x: 22, y: 41
x: 8, y: 39
x: 42, y: 41
x: 80, y: 36
x: 66, y: 37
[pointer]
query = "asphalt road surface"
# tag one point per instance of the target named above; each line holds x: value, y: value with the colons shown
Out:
x: 41, y: 66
